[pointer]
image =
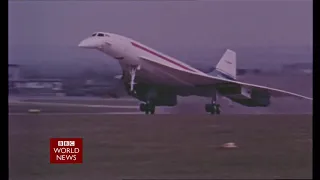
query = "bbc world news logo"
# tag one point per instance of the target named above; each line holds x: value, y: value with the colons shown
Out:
x: 66, y: 150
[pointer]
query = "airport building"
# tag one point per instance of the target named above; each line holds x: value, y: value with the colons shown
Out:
x: 19, y: 85
x: 38, y: 86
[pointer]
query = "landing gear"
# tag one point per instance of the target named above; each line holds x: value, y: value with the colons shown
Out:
x: 148, y: 108
x: 213, y: 108
x: 133, y: 70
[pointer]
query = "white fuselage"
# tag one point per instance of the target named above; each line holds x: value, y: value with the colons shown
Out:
x: 128, y: 52
x: 146, y: 66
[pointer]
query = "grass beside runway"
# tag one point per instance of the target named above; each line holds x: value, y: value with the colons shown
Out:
x: 24, y: 108
x: 98, y: 102
x: 165, y: 146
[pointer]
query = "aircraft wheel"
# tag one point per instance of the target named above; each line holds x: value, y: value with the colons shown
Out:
x: 212, y: 108
x: 147, y: 108
x: 151, y: 108
x: 208, y: 108
x: 142, y: 107
x: 217, y: 109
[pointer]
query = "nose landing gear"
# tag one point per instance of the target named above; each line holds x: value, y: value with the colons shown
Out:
x: 132, y: 71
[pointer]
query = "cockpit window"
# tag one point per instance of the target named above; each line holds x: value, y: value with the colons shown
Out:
x: 100, y: 34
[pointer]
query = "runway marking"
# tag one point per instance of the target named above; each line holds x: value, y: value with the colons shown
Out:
x: 69, y: 99
x: 100, y: 100
x: 119, y: 113
x: 77, y: 105
x: 64, y: 114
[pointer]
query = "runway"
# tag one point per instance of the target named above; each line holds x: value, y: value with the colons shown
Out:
x: 178, y: 142
x: 191, y: 105
x: 164, y: 146
x: 186, y: 105
x: 73, y: 105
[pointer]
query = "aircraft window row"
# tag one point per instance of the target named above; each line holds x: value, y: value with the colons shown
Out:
x: 100, y: 35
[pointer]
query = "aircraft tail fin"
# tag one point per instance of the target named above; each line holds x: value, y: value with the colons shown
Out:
x: 227, y: 66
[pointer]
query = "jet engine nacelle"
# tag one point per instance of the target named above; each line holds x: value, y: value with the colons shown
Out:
x: 258, y: 99
x: 246, y: 96
x: 159, y: 96
x: 237, y: 92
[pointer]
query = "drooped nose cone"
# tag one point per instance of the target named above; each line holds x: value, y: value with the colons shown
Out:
x: 89, y: 43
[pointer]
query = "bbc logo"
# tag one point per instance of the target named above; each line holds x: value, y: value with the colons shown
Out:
x: 66, y: 143
x: 66, y: 150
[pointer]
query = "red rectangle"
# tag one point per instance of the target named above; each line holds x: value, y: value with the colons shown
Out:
x: 66, y: 150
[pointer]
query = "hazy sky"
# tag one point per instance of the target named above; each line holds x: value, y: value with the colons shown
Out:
x: 164, y: 24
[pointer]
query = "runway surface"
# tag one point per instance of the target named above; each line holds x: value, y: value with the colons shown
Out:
x: 187, y: 105
x: 301, y: 84
x: 180, y: 142
x: 164, y: 146
x: 74, y: 107
x: 183, y: 145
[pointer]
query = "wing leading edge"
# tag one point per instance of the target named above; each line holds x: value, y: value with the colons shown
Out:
x: 197, y: 79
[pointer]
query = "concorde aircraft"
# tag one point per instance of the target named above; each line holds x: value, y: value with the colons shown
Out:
x: 157, y: 79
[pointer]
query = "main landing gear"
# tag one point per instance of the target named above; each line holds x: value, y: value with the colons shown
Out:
x: 213, y: 108
x: 148, y: 108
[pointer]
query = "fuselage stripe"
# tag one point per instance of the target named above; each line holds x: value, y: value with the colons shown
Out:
x: 161, y: 56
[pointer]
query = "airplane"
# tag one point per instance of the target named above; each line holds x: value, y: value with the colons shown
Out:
x: 157, y: 79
